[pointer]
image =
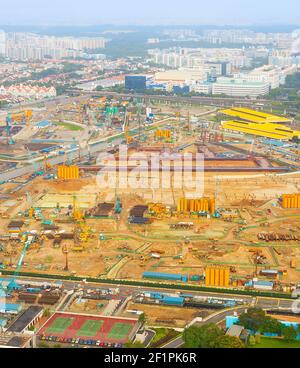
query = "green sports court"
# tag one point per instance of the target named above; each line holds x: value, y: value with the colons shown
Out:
x: 90, y: 328
x: 119, y: 331
x: 60, y: 325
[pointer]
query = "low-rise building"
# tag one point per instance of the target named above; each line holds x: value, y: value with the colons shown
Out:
x: 238, y: 87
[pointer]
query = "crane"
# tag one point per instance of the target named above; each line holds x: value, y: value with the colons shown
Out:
x: 13, y: 284
x: 34, y: 211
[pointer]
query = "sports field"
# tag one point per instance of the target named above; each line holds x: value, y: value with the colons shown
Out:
x: 81, y: 326
x: 90, y: 328
x: 119, y: 331
x: 60, y: 325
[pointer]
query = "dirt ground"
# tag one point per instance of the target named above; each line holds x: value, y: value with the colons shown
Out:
x: 158, y: 315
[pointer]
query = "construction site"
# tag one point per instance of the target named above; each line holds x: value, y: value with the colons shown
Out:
x: 241, y: 229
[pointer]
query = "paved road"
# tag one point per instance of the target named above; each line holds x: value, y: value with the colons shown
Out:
x: 101, y: 145
x: 222, y: 101
x: 215, y: 318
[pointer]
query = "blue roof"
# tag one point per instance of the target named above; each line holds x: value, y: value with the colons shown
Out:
x: 3, y: 322
x: 43, y: 124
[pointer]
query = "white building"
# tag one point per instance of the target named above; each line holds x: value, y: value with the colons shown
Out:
x: 2, y: 43
x: 240, y: 87
x: 275, y: 76
x: 204, y: 87
x: 180, y: 76
x: 27, y: 46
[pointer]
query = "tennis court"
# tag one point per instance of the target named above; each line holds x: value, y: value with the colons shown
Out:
x: 90, y: 328
x: 119, y: 331
x: 60, y: 325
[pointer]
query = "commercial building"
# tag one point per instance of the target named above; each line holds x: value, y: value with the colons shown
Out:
x: 274, y: 75
x: 240, y: 88
x: 204, y: 88
x: 180, y: 76
x: 135, y: 82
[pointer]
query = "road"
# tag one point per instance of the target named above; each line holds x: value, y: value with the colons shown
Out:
x: 215, y: 318
x: 220, y: 101
x: 98, y: 146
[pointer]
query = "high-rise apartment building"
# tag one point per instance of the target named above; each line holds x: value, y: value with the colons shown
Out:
x: 2, y: 43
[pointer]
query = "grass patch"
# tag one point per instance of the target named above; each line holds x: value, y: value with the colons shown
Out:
x: 162, y: 336
x: 276, y: 343
x: 69, y: 126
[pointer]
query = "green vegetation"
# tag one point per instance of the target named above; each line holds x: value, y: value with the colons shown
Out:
x: 209, y: 336
x: 71, y: 67
x: 69, y: 126
x: 256, y: 320
x: 289, y: 91
x: 162, y: 336
x: 45, y: 73
x: 289, y: 333
x: 275, y: 343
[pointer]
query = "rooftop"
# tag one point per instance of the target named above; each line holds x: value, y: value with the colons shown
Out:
x: 20, y: 324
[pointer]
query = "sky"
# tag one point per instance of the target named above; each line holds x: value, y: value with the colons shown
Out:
x: 148, y: 12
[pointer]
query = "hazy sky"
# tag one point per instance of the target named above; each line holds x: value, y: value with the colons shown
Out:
x: 23, y: 12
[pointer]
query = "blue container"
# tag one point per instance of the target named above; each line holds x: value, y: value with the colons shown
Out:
x: 165, y: 276
x: 172, y: 300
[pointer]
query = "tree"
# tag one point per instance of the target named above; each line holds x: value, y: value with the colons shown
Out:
x: 270, y: 325
x: 289, y: 333
x: 228, y: 342
x: 253, y: 319
x: 142, y: 318
x: 201, y: 337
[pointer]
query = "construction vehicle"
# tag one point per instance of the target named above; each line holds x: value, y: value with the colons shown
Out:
x: 20, y: 117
